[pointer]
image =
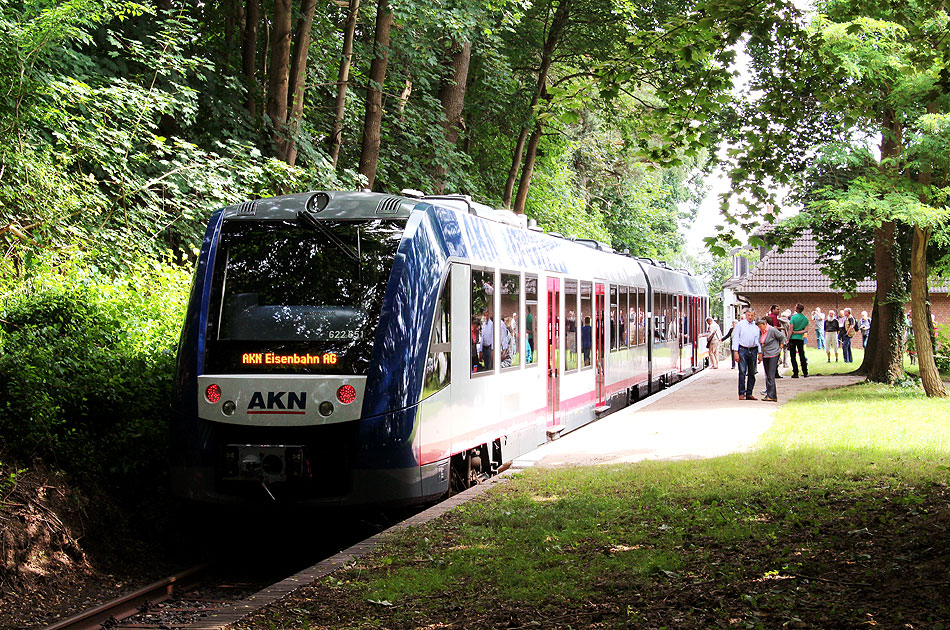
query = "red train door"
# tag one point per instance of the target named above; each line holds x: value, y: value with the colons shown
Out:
x: 681, y: 329
x: 599, y: 346
x: 696, y: 324
x: 554, y: 355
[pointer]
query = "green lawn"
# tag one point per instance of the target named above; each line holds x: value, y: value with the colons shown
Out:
x: 818, y: 363
x: 838, y: 520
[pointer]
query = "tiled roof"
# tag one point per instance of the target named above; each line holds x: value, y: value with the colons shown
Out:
x: 794, y: 271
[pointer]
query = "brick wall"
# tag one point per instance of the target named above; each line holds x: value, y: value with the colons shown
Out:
x: 939, y: 303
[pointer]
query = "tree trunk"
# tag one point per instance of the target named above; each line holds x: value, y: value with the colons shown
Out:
x: 232, y: 11
x: 372, y: 123
x: 516, y: 163
x: 252, y: 19
x: 561, y: 16
x: 887, y: 362
x: 298, y: 77
x: 278, y: 79
x: 349, y: 28
x: 886, y: 365
x: 528, y: 169
x: 452, y: 96
x: 923, y: 331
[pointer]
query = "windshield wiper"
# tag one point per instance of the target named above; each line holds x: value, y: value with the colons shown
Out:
x: 308, y: 220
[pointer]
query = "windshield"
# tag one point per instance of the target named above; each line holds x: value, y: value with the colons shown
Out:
x: 299, y: 297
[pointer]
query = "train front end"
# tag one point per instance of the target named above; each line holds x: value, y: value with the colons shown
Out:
x: 277, y: 352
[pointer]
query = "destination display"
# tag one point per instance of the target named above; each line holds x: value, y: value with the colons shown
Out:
x: 272, y: 358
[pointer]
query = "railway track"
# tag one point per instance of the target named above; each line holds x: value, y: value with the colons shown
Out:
x: 112, y: 614
x: 231, y: 573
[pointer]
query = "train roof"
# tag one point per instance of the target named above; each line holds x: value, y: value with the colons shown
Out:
x: 344, y: 205
x: 355, y: 205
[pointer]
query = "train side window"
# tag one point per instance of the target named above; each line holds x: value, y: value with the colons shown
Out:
x: 586, y: 321
x: 623, y: 294
x: 659, y: 318
x: 570, y: 330
x: 530, y: 319
x: 613, y: 317
x: 508, y: 321
x: 643, y: 313
x: 667, y: 310
x: 678, y: 316
x: 438, y: 370
x: 632, y: 318
x: 641, y: 325
x: 483, y: 321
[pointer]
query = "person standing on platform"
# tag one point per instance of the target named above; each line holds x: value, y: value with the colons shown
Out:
x: 727, y: 336
x: 713, y: 339
x: 831, y: 334
x: 819, y: 318
x: 747, y: 351
x: 785, y: 327
x: 845, y: 335
x: 771, y: 339
x: 865, y: 326
x: 796, y: 342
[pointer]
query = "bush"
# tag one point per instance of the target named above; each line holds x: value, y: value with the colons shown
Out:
x: 86, y: 367
x: 942, y: 351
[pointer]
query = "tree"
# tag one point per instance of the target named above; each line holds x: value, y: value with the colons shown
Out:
x: 452, y: 97
x: 372, y: 122
x: 339, y: 108
x: 853, y: 72
x: 286, y: 75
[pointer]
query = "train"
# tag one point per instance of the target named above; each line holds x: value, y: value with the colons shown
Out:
x: 347, y: 349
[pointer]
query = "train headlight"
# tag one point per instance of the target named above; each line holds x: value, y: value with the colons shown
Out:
x: 228, y: 408
x: 346, y: 394
x: 213, y: 393
x: 326, y: 408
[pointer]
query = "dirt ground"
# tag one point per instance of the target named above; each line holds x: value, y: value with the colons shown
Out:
x: 61, y: 550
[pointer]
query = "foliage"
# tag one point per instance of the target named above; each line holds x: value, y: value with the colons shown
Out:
x: 86, y: 366
x: 109, y: 143
x: 942, y: 350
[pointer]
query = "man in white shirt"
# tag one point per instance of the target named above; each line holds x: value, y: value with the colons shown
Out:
x: 819, y: 318
x: 713, y: 338
x: 747, y: 351
x: 488, y: 342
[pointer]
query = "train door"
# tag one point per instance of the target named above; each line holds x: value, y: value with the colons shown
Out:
x: 699, y: 323
x: 554, y: 355
x: 681, y: 322
x: 599, y: 345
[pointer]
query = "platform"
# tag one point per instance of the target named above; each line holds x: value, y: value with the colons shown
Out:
x: 699, y: 417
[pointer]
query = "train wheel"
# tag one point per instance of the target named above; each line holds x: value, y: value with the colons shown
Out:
x: 466, y: 470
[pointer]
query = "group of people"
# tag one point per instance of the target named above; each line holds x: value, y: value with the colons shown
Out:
x: 762, y: 341
x: 837, y: 330
x: 483, y: 341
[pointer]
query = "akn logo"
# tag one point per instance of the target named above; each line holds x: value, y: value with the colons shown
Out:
x: 275, y: 403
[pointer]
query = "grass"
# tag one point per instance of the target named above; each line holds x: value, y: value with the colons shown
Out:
x: 838, y: 519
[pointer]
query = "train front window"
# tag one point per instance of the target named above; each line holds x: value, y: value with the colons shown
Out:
x: 289, y: 297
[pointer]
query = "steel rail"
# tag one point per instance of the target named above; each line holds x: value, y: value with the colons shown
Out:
x: 129, y: 604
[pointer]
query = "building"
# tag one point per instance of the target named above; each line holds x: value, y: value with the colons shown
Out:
x: 792, y: 276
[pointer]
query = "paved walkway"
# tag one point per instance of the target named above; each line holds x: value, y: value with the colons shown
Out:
x: 697, y: 418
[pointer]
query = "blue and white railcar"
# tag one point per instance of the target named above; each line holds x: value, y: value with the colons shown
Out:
x: 349, y: 348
